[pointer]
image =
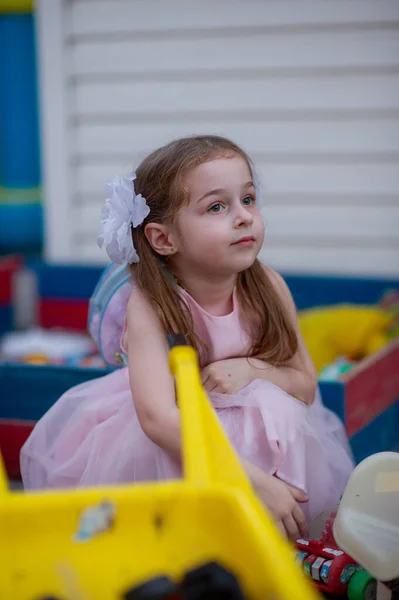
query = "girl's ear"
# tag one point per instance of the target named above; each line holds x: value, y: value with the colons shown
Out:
x: 160, y: 238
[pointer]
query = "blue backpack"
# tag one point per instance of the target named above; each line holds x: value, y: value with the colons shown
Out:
x: 107, y: 312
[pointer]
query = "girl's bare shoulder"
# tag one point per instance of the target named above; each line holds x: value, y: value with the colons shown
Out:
x: 141, y: 315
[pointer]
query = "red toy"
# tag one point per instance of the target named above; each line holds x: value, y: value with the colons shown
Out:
x: 332, y: 570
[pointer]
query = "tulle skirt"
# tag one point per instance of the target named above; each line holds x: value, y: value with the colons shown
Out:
x: 92, y: 436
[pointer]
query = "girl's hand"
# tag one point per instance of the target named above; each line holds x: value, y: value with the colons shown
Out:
x: 227, y: 376
x: 282, y: 501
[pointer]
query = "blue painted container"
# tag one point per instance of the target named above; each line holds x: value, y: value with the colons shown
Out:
x: 6, y: 319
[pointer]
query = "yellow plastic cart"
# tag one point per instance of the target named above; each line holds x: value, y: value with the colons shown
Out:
x: 152, y: 529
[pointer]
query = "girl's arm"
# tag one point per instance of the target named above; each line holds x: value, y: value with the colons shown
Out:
x: 151, y: 382
x: 297, y: 376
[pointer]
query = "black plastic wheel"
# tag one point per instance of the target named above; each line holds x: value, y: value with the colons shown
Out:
x: 211, y: 582
x: 159, y: 588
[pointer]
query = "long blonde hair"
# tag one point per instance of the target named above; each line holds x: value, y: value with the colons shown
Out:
x: 160, y: 181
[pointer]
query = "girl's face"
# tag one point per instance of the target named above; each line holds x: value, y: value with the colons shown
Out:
x: 221, y: 230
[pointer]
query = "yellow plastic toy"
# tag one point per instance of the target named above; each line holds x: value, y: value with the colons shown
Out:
x: 344, y: 330
x: 49, y: 546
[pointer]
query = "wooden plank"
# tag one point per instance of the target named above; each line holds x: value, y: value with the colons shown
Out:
x: 86, y: 252
x: 380, y: 435
x: 90, y: 178
x: 372, y: 387
x: 276, y: 95
x: 339, y: 259
x: 9, y: 267
x: 13, y: 435
x: 125, y: 16
x: 67, y: 314
x: 280, y: 181
x: 276, y: 51
x: 322, y: 181
x: 54, y: 131
x: 334, y: 222
x: 305, y: 222
x: 279, y: 137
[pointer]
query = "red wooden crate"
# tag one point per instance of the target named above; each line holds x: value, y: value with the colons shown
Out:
x: 8, y: 266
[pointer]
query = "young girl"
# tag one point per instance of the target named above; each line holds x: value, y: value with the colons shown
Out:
x: 189, y: 225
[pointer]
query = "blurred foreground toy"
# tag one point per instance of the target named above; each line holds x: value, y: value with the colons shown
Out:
x: 367, y: 522
x: 205, y: 536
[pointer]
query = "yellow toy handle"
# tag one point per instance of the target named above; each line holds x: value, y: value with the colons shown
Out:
x: 209, y: 460
x: 208, y: 457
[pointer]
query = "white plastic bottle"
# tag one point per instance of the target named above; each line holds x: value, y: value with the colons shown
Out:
x: 367, y: 523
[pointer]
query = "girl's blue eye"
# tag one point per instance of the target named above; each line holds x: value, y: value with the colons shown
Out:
x: 248, y: 200
x: 216, y: 208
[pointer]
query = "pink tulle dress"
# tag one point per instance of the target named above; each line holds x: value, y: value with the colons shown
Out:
x: 92, y: 434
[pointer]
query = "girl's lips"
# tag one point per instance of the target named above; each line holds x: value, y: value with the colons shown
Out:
x: 245, y: 241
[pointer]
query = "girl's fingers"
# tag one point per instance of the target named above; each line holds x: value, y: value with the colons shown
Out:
x: 211, y: 386
x: 300, y: 521
x: 298, y: 495
x: 291, y: 528
x: 204, y: 376
x: 281, y: 528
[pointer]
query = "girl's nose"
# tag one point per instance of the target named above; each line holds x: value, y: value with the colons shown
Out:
x: 243, y: 217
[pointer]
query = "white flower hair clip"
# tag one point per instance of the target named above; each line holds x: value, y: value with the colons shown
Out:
x: 123, y: 209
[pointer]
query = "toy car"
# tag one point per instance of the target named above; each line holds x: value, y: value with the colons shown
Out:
x: 334, y: 571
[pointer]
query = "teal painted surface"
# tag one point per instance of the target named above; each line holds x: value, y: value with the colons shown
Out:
x: 21, y: 217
